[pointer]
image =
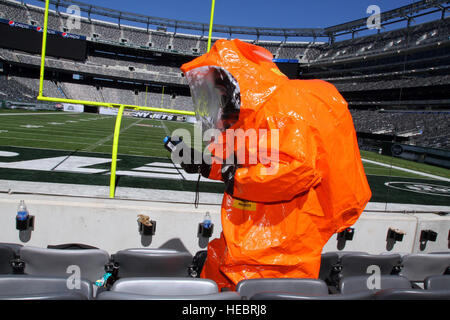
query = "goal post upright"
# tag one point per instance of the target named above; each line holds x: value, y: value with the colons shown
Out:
x: 112, y: 184
x: 44, y: 50
x: 211, y: 23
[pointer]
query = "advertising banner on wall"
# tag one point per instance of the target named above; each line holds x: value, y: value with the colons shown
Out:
x: 68, y: 107
x: 108, y: 111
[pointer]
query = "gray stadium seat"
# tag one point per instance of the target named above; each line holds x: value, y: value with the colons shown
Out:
x: 366, y: 295
x: 344, y: 253
x: 250, y: 287
x: 355, y: 284
x: 25, y: 287
x: 417, y: 266
x: 357, y: 264
x: 166, y: 288
x: 328, y: 262
x: 152, y: 263
x: 14, y: 246
x: 6, y: 255
x: 412, y: 294
x: 110, y: 295
x: 437, y: 282
x: 54, y: 262
x: 47, y: 296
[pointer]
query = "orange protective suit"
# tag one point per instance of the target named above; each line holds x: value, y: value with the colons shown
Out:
x: 275, y: 225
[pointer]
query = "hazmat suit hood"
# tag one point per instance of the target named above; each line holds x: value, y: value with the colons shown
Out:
x: 246, y: 63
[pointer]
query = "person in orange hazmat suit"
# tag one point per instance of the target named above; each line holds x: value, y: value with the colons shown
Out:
x: 307, y: 182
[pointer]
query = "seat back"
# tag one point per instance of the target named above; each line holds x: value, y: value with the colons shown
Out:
x: 47, y: 296
x: 412, y: 294
x: 328, y: 262
x: 250, y: 287
x: 349, y: 285
x: 26, y: 287
x: 437, y: 282
x: 13, y: 246
x: 165, y: 286
x: 418, y: 266
x: 111, y: 295
x: 6, y: 255
x: 152, y: 263
x: 367, y: 295
x: 55, y: 262
x: 358, y: 264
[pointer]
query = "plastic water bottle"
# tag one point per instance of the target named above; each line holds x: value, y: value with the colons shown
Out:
x: 22, y: 211
x: 207, y: 221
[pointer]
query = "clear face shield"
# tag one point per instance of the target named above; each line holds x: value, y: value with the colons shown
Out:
x: 216, y: 97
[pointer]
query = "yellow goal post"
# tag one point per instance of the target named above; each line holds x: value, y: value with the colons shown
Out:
x: 118, y: 106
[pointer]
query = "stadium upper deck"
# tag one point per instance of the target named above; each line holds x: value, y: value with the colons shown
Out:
x: 164, y: 34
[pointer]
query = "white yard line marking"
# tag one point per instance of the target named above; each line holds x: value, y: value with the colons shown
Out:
x: 8, y: 154
x: 407, y: 170
x: 30, y: 126
x: 165, y: 128
x: 104, y: 140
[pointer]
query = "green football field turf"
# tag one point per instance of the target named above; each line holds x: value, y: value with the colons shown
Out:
x: 85, y: 133
x: 56, y: 134
x: 139, y: 137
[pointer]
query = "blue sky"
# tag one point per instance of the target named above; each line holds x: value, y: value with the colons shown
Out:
x: 254, y: 13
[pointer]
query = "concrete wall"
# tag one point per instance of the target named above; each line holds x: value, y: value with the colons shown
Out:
x: 112, y: 225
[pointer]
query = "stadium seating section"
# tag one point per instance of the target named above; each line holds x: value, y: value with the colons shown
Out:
x: 305, y: 51
x: 366, y: 70
x: 426, y: 128
x: 32, y: 273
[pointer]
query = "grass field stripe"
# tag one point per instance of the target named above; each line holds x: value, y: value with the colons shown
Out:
x: 394, y: 176
x: 40, y: 140
x: 29, y: 114
x: 407, y: 170
x: 165, y: 128
x: 36, y: 134
x: 102, y: 141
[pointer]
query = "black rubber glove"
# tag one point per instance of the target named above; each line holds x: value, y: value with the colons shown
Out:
x: 228, y: 172
x: 203, y: 169
x: 190, y: 166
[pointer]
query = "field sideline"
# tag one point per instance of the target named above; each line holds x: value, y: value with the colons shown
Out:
x: 143, y: 161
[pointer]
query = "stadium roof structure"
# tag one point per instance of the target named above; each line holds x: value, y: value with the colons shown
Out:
x: 405, y: 13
